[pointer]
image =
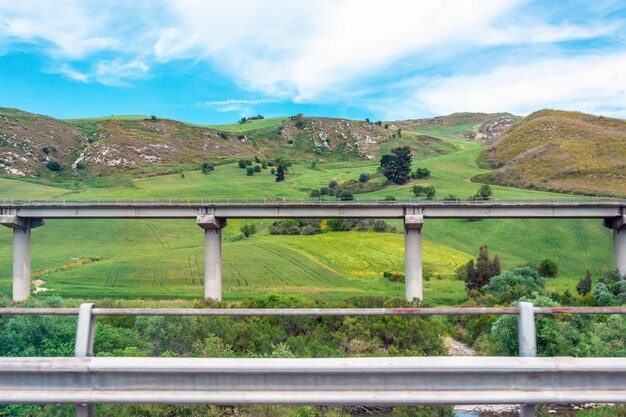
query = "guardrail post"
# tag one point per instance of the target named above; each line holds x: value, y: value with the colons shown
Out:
x: 83, y: 347
x: 527, y: 339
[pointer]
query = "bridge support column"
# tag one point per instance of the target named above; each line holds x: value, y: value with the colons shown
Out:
x: 619, y: 242
x: 413, y: 256
x: 527, y: 342
x: 212, y: 255
x: 21, y: 253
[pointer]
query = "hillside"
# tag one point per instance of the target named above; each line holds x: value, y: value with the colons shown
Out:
x: 561, y: 151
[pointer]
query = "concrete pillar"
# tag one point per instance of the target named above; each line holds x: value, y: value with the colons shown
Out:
x: 413, y: 256
x: 21, y: 252
x: 21, y: 264
x: 618, y: 224
x: 527, y: 342
x: 619, y: 247
x: 212, y: 255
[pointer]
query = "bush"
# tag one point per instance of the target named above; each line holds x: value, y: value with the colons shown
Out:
x: 54, y: 166
x: 280, y: 174
x: 484, y: 192
x: 80, y: 165
x: 248, y: 230
x: 296, y: 227
x: 243, y: 163
x: 394, y: 276
x: 315, y: 194
x: 364, y: 177
x: 249, y: 171
x: 206, y: 168
x: 332, y: 184
x: 548, y: 268
x: 512, y: 285
x: 344, y: 195
x: 379, y: 226
x: 584, y: 285
x: 257, y: 168
x: 342, y: 225
x: 421, y: 173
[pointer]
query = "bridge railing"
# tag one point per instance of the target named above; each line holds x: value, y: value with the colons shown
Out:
x: 317, y: 202
x: 85, y: 380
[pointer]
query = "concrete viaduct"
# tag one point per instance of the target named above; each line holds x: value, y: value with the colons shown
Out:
x: 212, y: 217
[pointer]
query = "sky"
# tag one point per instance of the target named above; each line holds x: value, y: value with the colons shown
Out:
x: 215, y: 61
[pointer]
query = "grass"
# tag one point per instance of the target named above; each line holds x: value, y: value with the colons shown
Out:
x: 250, y: 125
x: 164, y: 259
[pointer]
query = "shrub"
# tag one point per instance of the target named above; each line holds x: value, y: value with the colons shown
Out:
x: 332, y: 184
x: 54, y: 166
x: 548, y: 268
x: 257, y: 168
x: 421, y: 173
x: 394, y: 276
x: 80, y: 165
x: 364, y: 177
x: 315, y: 194
x: 379, y: 225
x: 344, y: 195
x: 484, y: 192
x: 249, y: 171
x: 206, y: 168
x: 248, y: 230
x: 584, y: 285
x: 242, y: 163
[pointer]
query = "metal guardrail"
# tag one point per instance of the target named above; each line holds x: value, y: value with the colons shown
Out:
x: 310, y: 202
x: 86, y: 381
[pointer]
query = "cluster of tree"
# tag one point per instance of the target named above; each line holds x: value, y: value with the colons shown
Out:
x: 610, y: 289
x: 477, y: 273
x: 249, y: 119
x: 206, y: 168
x: 483, y: 193
x: 394, y: 276
x: 296, y: 227
x: 396, y: 167
x: 362, y: 225
x: 378, y: 123
x: 223, y: 337
x: 425, y: 190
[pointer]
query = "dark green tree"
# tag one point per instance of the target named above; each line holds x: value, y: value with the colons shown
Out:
x: 206, y: 168
x: 480, y: 272
x: 364, y: 177
x: 421, y: 173
x: 280, y: 174
x: 548, y: 268
x: 249, y: 171
x: 54, y: 166
x: 248, y: 230
x: 484, y: 192
x: 584, y: 285
x: 397, y: 165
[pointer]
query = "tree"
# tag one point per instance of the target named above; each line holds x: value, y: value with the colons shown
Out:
x: 427, y: 190
x: 315, y: 194
x: 54, y: 166
x: 249, y: 171
x: 512, y: 285
x: 332, y: 184
x: 479, y: 273
x: 280, y: 174
x: 248, y: 230
x: 484, y: 192
x: 548, y: 268
x: 206, y: 168
x: 242, y: 163
x: 364, y: 177
x: 397, y: 166
x: 584, y: 285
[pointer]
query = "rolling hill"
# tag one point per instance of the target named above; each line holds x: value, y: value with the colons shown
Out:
x: 561, y: 151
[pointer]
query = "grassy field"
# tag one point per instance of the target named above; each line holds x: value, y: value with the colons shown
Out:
x: 250, y: 125
x: 164, y: 259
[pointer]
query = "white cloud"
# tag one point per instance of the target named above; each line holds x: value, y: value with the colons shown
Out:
x: 243, y: 107
x: 589, y: 83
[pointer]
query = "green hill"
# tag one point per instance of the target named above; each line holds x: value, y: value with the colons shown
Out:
x: 562, y: 151
x: 163, y: 259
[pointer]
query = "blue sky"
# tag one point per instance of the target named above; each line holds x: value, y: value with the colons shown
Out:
x: 214, y: 61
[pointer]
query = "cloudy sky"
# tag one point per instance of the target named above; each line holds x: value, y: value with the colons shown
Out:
x: 213, y: 61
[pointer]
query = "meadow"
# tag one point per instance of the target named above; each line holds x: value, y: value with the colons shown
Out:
x: 164, y: 259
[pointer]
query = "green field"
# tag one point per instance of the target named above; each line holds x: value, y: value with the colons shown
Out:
x: 164, y: 259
